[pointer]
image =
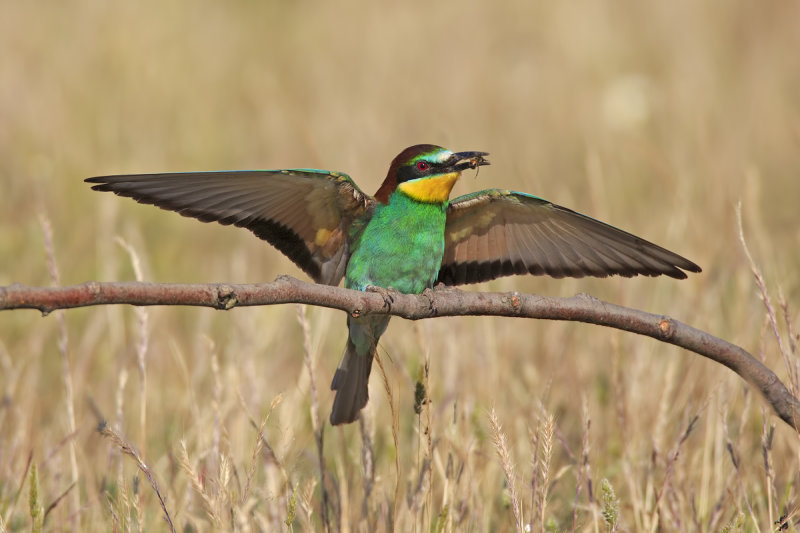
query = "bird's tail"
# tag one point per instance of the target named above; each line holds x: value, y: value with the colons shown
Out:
x: 352, y: 377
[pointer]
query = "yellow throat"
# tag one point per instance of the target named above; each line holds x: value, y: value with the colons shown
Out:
x: 430, y: 190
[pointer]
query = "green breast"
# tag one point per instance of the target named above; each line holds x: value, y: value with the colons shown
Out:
x: 401, y: 247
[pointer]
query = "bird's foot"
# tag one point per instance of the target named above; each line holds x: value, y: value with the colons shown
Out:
x: 386, y: 294
x: 439, y: 288
x: 429, y: 294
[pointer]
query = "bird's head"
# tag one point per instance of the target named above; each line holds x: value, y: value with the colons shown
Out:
x: 427, y: 172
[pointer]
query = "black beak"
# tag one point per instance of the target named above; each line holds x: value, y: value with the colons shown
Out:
x: 465, y: 160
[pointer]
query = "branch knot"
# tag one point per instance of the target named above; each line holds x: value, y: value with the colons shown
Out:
x: 226, y: 297
x: 513, y: 300
x: 666, y: 328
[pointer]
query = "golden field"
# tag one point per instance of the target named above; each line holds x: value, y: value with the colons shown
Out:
x: 657, y: 117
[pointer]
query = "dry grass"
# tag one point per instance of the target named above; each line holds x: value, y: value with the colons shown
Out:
x: 655, y: 116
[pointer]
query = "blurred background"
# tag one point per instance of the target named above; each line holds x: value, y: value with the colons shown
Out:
x: 657, y: 117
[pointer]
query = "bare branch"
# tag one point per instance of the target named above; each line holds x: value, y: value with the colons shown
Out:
x: 444, y: 302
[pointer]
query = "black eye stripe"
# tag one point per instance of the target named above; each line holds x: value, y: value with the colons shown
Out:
x: 412, y: 169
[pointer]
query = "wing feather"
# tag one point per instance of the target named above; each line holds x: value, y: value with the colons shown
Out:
x: 306, y: 214
x: 496, y: 233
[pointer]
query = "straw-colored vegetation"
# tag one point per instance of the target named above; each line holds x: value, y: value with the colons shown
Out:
x: 655, y: 116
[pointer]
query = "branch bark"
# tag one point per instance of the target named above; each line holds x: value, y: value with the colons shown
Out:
x: 435, y: 303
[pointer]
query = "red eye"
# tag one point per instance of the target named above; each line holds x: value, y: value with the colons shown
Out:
x: 422, y: 165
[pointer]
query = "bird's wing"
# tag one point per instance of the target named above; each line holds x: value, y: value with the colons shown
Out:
x: 495, y: 233
x: 307, y: 214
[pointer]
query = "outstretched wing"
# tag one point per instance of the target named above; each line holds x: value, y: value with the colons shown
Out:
x: 496, y: 233
x: 306, y: 214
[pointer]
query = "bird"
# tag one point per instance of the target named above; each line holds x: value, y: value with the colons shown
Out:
x: 408, y: 237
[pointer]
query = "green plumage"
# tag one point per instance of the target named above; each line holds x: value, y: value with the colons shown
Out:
x: 401, y: 247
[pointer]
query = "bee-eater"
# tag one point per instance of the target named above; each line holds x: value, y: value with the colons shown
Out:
x: 407, y: 237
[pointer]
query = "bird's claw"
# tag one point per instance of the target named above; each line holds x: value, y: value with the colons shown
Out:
x: 386, y: 294
x: 439, y: 288
x: 428, y: 293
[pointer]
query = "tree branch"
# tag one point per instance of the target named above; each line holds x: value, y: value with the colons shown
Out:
x: 439, y: 302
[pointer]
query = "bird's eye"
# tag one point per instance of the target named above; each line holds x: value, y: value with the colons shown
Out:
x: 422, y: 165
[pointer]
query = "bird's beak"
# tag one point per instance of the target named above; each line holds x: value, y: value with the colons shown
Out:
x: 464, y: 160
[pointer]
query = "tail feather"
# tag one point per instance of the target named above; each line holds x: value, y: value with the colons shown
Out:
x: 350, y: 383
